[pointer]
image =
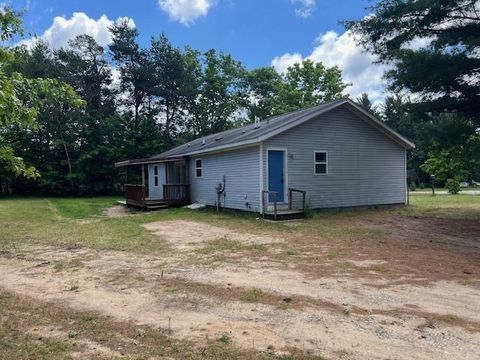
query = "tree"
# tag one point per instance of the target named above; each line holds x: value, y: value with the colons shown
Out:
x: 83, y: 64
x: 309, y: 84
x: 20, y: 99
x: 434, y: 48
x: 263, y: 88
x: 136, y: 83
x: 448, y: 165
x: 365, y: 102
x: 172, y: 83
x: 220, y: 92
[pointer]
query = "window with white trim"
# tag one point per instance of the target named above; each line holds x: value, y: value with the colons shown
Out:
x: 155, y: 175
x: 198, y: 167
x: 320, y: 163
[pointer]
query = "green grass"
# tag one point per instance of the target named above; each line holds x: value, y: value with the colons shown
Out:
x: 80, y: 221
x: 444, y: 206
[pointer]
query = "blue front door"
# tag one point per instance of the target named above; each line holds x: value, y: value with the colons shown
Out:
x: 276, y: 174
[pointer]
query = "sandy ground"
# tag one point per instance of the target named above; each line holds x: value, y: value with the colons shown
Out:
x: 261, y: 302
x: 188, y: 235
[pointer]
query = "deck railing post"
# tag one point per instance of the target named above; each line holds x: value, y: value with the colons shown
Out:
x: 290, y: 198
x: 275, y: 205
x: 263, y: 204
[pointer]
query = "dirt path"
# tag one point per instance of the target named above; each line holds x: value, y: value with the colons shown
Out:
x: 255, y: 303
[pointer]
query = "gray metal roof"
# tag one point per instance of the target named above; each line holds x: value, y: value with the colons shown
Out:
x: 252, y: 134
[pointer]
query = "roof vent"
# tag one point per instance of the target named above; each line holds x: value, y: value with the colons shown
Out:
x: 219, y: 138
x: 203, y: 141
x: 257, y: 123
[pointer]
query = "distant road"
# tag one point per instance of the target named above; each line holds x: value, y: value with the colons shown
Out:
x: 444, y: 192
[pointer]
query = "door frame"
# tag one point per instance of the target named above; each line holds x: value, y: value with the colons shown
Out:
x: 285, y: 172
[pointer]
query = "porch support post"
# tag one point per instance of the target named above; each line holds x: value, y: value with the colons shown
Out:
x: 143, y: 180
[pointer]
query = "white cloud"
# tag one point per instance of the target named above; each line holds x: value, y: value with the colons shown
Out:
x: 358, y: 67
x: 185, y: 11
x: 62, y: 29
x: 305, y: 8
x: 282, y: 63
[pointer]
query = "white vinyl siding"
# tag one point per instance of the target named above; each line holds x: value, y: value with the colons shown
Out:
x: 365, y: 167
x: 241, y: 168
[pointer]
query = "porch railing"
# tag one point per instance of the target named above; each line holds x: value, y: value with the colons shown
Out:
x: 135, y: 194
x: 176, y: 194
x: 290, y: 197
x: 274, y: 195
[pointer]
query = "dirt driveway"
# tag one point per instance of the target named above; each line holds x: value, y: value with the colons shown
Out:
x: 410, y: 290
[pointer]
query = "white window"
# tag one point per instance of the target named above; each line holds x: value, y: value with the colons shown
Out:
x: 320, y: 163
x: 198, y: 167
x: 155, y: 175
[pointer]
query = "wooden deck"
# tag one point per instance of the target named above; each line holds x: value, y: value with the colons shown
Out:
x: 173, y: 195
x: 278, y: 211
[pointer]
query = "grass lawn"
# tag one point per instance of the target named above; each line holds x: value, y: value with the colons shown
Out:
x: 444, y: 206
x: 333, y: 246
x: 82, y: 222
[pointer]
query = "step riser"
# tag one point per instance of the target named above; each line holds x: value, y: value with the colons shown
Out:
x: 283, y: 217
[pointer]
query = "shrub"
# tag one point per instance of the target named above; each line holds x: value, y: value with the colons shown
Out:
x: 453, y: 186
x: 421, y: 185
x: 413, y: 187
x: 308, y: 212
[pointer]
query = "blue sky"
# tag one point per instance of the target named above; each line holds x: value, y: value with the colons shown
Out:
x: 258, y: 33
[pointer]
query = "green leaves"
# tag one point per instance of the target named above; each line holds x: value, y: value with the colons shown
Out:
x: 433, y: 47
x: 21, y: 97
x: 15, y: 164
x: 10, y: 23
x: 302, y: 85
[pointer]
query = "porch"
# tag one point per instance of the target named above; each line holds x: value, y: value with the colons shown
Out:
x: 159, y: 185
x: 293, y: 209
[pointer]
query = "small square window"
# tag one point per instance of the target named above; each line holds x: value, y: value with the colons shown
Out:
x: 320, y: 168
x: 320, y: 157
x: 198, y: 167
x: 320, y: 163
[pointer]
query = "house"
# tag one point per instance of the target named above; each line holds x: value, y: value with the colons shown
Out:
x: 332, y: 155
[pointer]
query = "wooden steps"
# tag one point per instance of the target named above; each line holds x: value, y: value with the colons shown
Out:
x: 283, y: 215
x: 155, y: 205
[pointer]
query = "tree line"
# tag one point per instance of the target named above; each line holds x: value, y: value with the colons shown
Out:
x: 433, y: 50
x: 79, y: 109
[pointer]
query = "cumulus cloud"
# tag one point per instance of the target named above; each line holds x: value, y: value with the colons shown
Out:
x: 304, y: 8
x: 62, y: 29
x: 283, y: 62
x: 185, y: 11
x: 358, y: 67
